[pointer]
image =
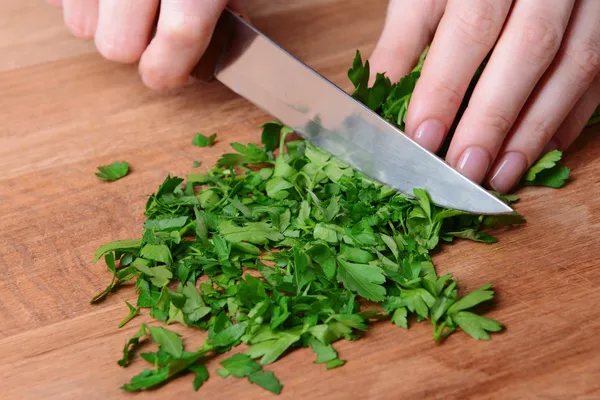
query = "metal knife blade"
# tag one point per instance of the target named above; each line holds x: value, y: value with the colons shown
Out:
x: 262, y: 72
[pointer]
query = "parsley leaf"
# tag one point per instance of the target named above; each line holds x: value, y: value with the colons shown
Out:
x: 113, y: 171
x: 270, y: 135
x: 228, y: 336
x: 476, y: 325
x: 547, y: 172
x: 365, y: 279
x: 204, y: 141
x: 266, y: 380
x: 169, y: 341
x: 201, y: 375
x: 472, y: 299
x: 240, y: 365
x: 118, y: 245
x: 253, y: 232
x: 324, y: 352
x: 270, y: 350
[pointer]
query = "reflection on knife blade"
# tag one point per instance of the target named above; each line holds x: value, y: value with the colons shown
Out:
x: 274, y: 80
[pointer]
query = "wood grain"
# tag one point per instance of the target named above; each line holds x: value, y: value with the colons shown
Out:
x: 64, y: 110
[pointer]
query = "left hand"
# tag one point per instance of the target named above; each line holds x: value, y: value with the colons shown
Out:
x: 539, y: 88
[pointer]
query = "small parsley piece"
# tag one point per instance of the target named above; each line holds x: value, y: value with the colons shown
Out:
x: 266, y: 380
x: 270, y: 135
x: 196, y: 164
x: 240, y: 365
x: 228, y: 336
x: 201, y: 375
x: 167, y: 340
x: 324, y: 352
x: 113, y: 171
x: 133, y: 311
x: 121, y: 246
x: 204, y: 141
x: 547, y: 172
x: 120, y: 276
x: 335, y: 363
x: 476, y: 325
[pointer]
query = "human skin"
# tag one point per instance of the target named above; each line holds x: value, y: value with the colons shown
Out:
x: 539, y: 88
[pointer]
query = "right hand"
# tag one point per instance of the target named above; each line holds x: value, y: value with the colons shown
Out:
x: 122, y: 32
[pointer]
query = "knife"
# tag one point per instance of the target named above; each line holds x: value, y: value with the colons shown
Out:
x: 253, y: 66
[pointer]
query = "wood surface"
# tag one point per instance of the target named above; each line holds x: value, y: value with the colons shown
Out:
x: 64, y: 110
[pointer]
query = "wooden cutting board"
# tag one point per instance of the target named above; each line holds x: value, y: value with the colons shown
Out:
x: 64, y: 110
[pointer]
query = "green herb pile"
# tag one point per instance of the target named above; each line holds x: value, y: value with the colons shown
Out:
x: 281, y: 246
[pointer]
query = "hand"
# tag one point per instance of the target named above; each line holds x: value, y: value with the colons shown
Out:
x: 122, y: 29
x: 538, y: 90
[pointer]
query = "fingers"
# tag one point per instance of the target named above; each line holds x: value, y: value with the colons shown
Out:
x: 529, y: 42
x: 577, y: 119
x: 81, y: 17
x: 569, y: 77
x: 466, y: 34
x: 183, y: 33
x: 408, y: 28
x: 124, y: 28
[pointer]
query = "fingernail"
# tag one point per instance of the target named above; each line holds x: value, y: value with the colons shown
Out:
x: 509, y: 170
x: 551, y: 145
x: 430, y: 134
x: 474, y: 163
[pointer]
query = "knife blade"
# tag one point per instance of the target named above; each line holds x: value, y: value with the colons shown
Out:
x: 255, y: 67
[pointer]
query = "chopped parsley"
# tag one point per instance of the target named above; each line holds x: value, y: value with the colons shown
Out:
x: 204, y: 141
x: 113, y: 171
x: 281, y: 246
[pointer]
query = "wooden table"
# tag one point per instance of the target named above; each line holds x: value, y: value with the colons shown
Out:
x: 64, y: 110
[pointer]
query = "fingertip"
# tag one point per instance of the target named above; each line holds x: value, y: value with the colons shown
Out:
x: 117, y: 49
x: 508, y: 170
x: 474, y: 163
x: 153, y: 72
x: 124, y: 29
x: 80, y: 31
x: 182, y: 35
x: 430, y: 134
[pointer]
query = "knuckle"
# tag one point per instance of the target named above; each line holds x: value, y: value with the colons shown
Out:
x: 496, y: 121
x: 586, y: 59
x: 155, y: 76
x: 540, y: 41
x: 188, y: 33
x: 449, y: 95
x: 477, y: 25
x: 541, y: 133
